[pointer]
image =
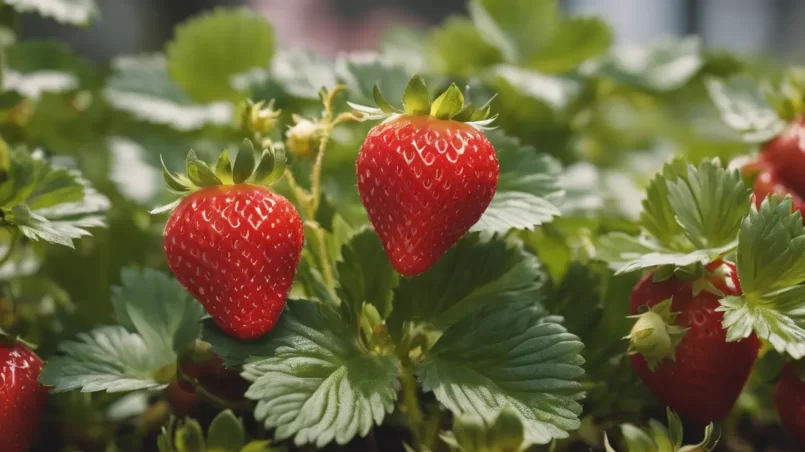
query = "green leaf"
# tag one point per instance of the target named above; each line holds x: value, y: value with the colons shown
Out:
x: 48, y: 203
x: 302, y: 74
x: 626, y: 253
x: 381, y: 101
x: 709, y: 203
x: 771, y: 248
x: 159, y: 309
x: 199, y: 173
x: 637, y: 440
x: 476, y: 272
x: 745, y: 108
x: 226, y: 433
x: 263, y: 174
x: 312, y: 382
x: 106, y: 359
x: 416, y: 99
x: 209, y: 49
x: 518, y: 28
x: 527, y: 192
x: 33, y: 68
x: 771, y: 267
x: 576, y: 40
x: 661, y: 66
x: 457, y: 48
x: 658, y: 216
x: 223, y: 167
x: 448, y: 103
x: 552, y: 91
x: 473, y: 433
x: 190, y: 437
x: 509, y: 354
x: 365, y: 274
x: 244, y: 162
x: 361, y: 71
x: 74, y: 12
x: 141, y: 87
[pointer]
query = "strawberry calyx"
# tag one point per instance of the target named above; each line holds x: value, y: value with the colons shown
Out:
x: 654, y: 334
x: 9, y: 339
x: 448, y: 106
x: 247, y: 169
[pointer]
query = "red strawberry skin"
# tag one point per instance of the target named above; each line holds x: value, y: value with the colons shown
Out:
x: 768, y: 182
x: 424, y: 182
x: 786, y: 155
x: 22, y: 398
x: 709, y: 373
x: 236, y: 249
x: 789, y: 397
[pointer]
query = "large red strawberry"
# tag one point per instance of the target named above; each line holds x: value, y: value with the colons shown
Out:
x: 786, y: 156
x: 767, y: 181
x: 684, y: 357
x: 22, y: 398
x: 789, y: 397
x: 426, y: 175
x: 235, y: 248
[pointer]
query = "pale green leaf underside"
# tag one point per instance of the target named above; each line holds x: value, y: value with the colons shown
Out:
x: 518, y: 28
x: 777, y: 318
x: 159, y: 309
x: 626, y: 253
x: 527, y: 192
x: 141, y: 87
x: 310, y: 380
x: 302, y: 74
x: 509, y: 354
x: 75, y: 12
x: 664, y: 65
x: 744, y: 108
x: 105, y: 359
x: 474, y: 273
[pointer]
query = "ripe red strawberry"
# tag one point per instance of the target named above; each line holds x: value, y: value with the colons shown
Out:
x: 425, y: 178
x: 706, y: 374
x: 235, y: 248
x: 789, y: 397
x: 22, y: 398
x: 786, y: 156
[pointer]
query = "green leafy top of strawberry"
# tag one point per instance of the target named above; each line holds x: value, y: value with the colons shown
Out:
x: 416, y: 101
x: 659, y: 438
x: 691, y: 216
x: 246, y: 169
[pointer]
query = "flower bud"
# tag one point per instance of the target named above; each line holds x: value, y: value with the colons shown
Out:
x: 303, y: 137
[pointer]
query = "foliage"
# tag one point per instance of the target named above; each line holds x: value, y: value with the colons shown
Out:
x: 613, y: 161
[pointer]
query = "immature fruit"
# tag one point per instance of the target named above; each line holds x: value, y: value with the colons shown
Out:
x: 789, y: 397
x: 707, y: 373
x: 236, y: 249
x: 22, y: 398
x: 425, y: 176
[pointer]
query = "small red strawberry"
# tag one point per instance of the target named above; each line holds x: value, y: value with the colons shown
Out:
x: 789, y: 397
x: 235, y: 248
x: 785, y: 154
x: 426, y: 175
x: 679, y: 347
x: 22, y: 398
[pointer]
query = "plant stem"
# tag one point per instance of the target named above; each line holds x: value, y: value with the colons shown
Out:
x: 315, y: 183
x: 218, y: 401
x: 411, y: 402
x: 324, y: 261
x: 10, y: 251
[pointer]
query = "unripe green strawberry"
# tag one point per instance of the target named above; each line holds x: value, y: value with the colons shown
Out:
x: 426, y: 176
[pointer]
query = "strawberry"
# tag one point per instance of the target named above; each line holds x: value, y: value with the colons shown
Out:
x: 785, y: 154
x: 22, y: 398
x: 235, y: 248
x: 789, y: 397
x: 425, y: 176
x: 680, y: 350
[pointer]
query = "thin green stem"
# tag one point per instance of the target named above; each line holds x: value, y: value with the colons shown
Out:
x: 410, y: 403
x: 324, y: 260
x: 315, y: 184
x: 10, y: 250
x: 216, y: 400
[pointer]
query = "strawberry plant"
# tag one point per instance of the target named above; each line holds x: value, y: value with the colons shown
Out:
x: 505, y: 233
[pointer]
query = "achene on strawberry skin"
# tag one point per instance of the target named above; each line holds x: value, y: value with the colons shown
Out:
x: 702, y: 374
x: 235, y: 248
x: 425, y: 175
